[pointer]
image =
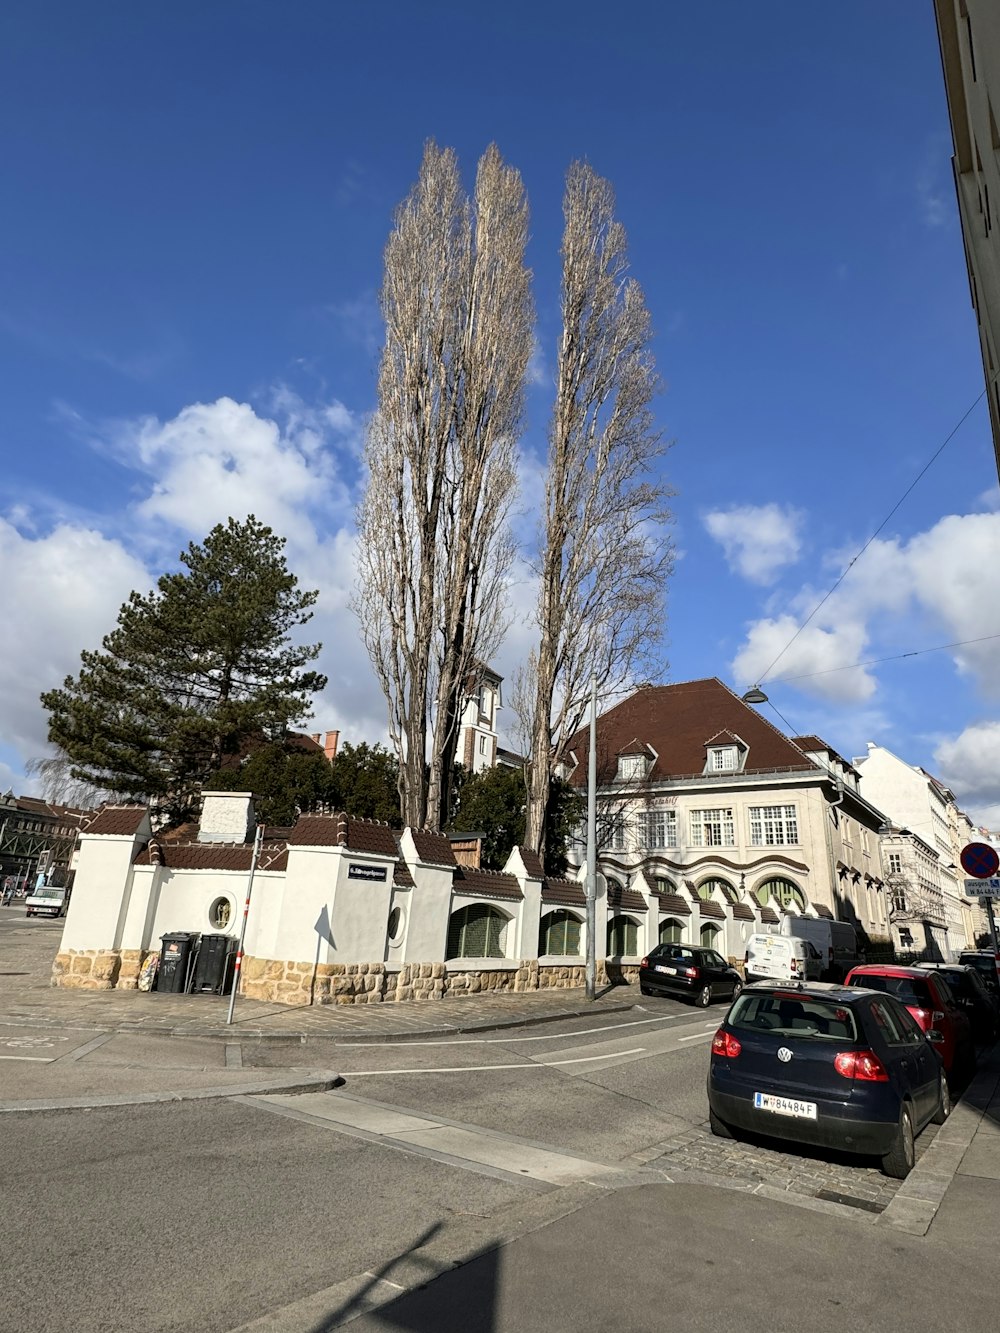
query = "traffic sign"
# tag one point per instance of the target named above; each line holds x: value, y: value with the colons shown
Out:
x: 980, y: 860
x: 982, y: 888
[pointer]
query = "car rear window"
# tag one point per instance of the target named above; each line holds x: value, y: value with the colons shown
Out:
x: 959, y: 982
x: 799, y: 1014
x: 911, y: 990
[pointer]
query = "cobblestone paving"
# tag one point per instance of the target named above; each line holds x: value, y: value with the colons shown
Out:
x: 836, y: 1177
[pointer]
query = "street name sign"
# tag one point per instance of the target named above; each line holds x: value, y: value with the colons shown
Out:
x: 980, y: 859
x: 982, y: 888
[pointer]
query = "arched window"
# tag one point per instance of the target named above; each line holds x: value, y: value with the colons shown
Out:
x: 623, y: 937
x: 559, y: 934
x: 710, y: 936
x: 664, y: 885
x: 671, y: 931
x: 783, y: 891
x: 476, y: 931
x: 707, y: 887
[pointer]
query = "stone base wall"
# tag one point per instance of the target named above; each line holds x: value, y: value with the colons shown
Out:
x: 278, y: 982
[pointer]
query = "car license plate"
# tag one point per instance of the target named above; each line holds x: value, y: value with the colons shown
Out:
x: 660, y: 967
x: 764, y: 1101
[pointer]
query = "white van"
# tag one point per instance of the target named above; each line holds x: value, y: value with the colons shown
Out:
x: 836, y: 942
x: 781, y: 958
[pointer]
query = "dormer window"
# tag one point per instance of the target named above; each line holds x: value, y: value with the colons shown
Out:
x: 631, y: 767
x: 723, y: 759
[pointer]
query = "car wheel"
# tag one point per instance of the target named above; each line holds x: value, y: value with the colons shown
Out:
x: 737, y: 987
x: 898, y: 1161
x: 719, y: 1127
x: 704, y: 997
x: 644, y: 990
x: 944, y: 1103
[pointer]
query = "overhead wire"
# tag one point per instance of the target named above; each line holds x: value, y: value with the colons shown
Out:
x: 877, y: 661
x: 854, y: 560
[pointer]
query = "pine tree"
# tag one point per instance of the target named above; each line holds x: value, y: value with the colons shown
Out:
x: 191, y: 671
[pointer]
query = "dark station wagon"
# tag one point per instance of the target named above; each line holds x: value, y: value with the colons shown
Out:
x: 832, y: 1066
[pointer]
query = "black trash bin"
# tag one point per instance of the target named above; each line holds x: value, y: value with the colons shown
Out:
x: 213, y: 964
x: 175, y: 955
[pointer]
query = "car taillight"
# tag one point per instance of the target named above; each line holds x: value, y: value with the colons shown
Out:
x: 644, y: 962
x: 793, y: 966
x: 862, y: 1065
x: 724, y: 1043
x: 688, y: 971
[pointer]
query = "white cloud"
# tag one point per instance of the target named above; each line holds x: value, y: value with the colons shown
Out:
x: 935, y: 196
x: 815, y: 650
x: 60, y: 593
x: 758, y: 540
x: 970, y: 765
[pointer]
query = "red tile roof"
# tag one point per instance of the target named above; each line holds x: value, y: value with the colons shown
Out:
x: 769, y: 916
x: 673, y: 902
x: 626, y: 899
x: 713, y: 910
x: 563, y: 893
x: 212, y: 855
x: 822, y: 910
x: 486, y: 884
x: 677, y: 721
x: 340, y: 830
x: 532, y: 863
x: 120, y: 820
x: 433, y: 849
x: 401, y: 876
x: 742, y: 912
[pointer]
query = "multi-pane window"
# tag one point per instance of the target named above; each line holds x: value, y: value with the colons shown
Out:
x: 623, y: 937
x: 713, y: 828
x: 773, y: 825
x: 656, y: 828
x: 895, y: 863
x: 476, y: 931
x: 671, y: 932
x: 782, y: 891
x: 618, y: 832
x: 709, y: 936
x: 724, y: 759
x: 631, y: 767
x: 559, y: 934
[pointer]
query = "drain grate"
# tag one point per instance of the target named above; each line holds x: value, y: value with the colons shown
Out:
x: 834, y: 1196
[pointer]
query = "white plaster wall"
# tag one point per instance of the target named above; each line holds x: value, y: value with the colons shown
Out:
x: 306, y: 926
x: 360, y: 915
x: 530, y: 919
x: 96, y: 912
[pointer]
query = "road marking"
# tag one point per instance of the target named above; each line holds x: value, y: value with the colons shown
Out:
x: 509, y: 1041
x: 480, y: 1069
x: 697, y: 1036
x: 469, y: 1146
x: 82, y: 1051
x: 36, y: 1059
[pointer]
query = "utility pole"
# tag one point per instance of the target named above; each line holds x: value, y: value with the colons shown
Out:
x: 237, y: 970
x: 591, y: 968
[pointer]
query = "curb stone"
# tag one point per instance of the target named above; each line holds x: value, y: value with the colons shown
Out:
x: 320, y: 1083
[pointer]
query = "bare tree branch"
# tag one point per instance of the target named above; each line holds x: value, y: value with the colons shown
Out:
x: 606, y: 556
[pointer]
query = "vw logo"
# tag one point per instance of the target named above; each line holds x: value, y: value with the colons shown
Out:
x: 784, y: 1054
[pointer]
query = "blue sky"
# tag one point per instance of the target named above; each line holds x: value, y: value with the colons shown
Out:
x: 197, y: 201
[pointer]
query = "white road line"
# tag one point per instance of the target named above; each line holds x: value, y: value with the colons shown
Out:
x: 509, y: 1041
x: 36, y: 1059
x: 479, y: 1069
x: 698, y: 1036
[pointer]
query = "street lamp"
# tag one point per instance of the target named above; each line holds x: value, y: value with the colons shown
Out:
x: 755, y: 696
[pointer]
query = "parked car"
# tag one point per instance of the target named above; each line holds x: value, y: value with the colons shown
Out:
x: 828, y: 1065
x: 927, y: 997
x: 781, y: 958
x: 835, y: 941
x: 986, y: 964
x: 699, y: 973
x: 973, y: 995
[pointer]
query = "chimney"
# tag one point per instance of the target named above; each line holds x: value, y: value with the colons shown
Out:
x: 315, y: 736
x: 330, y: 748
x: 226, y: 816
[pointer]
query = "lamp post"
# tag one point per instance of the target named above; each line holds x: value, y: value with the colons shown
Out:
x: 238, y: 969
x: 590, y: 972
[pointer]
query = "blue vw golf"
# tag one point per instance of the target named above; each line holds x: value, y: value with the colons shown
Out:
x: 827, y: 1065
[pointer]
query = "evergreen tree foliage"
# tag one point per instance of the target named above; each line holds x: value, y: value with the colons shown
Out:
x: 366, y: 780
x: 493, y: 803
x: 191, y: 671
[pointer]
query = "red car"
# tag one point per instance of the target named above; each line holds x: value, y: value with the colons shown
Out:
x: 931, y: 1003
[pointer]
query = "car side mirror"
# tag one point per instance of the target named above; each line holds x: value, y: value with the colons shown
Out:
x: 935, y: 1036
x: 937, y: 1015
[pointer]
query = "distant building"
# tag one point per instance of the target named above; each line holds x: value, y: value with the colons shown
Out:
x: 712, y: 824
x: 37, y: 835
x: 477, y: 737
x: 969, y: 33
x: 921, y: 849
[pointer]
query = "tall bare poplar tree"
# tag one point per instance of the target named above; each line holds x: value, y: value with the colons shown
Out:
x: 605, y: 557
x: 434, y: 547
